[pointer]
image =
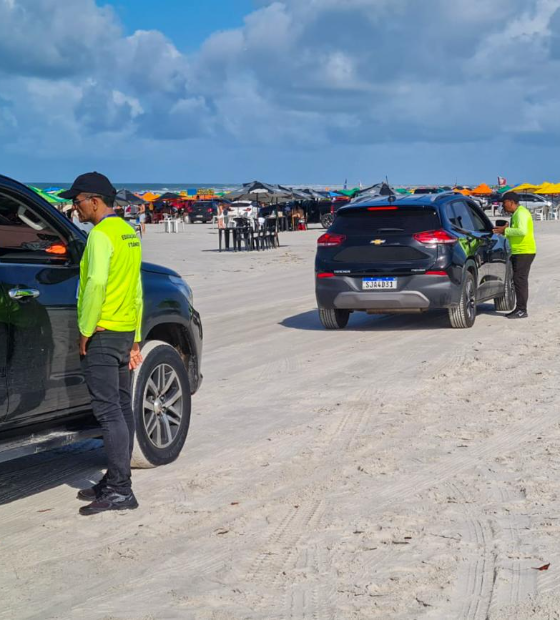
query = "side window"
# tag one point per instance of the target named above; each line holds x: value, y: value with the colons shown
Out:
x: 480, y: 225
x: 25, y: 237
x: 461, y: 217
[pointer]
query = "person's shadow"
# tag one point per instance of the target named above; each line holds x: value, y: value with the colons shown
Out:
x: 78, y: 466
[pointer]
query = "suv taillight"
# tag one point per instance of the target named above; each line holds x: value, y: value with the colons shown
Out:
x: 434, y: 237
x: 329, y: 240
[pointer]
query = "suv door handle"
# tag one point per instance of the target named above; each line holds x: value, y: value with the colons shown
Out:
x: 21, y: 294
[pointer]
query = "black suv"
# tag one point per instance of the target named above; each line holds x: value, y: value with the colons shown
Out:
x: 202, y: 211
x: 44, y: 401
x: 412, y: 254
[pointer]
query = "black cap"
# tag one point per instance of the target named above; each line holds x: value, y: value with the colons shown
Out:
x: 90, y: 183
x: 511, y: 196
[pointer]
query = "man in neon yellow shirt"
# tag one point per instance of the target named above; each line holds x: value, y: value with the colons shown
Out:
x: 109, y: 321
x: 523, y: 249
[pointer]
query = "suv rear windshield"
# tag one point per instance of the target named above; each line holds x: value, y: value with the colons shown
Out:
x: 407, y: 220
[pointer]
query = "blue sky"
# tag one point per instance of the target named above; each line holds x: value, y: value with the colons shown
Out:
x: 289, y: 91
x: 186, y: 22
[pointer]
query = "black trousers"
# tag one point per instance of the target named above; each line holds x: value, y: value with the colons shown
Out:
x: 521, y: 267
x: 105, y: 366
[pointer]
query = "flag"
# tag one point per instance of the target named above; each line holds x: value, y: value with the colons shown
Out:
x: 345, y: 183
x: 502, y: 182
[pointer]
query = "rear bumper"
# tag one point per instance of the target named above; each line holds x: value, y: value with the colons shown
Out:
x: 418, y: 292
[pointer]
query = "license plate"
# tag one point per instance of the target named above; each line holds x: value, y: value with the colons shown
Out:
x: 369, y: 284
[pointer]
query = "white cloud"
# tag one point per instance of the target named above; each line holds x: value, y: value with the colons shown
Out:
x: 299, y: 73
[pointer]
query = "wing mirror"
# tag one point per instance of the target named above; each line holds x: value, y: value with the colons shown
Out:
x: 57, y: 249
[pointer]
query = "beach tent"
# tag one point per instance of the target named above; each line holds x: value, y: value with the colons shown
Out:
x: 482, y: 189
x: 349, y: 192
x: 263, y: 192
x: 375, y: 191
x: 170, y: 196
x: 503, y: 190
x: 125, y: 197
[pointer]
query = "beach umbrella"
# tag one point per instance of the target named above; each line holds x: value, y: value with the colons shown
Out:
x: 150, y: 196
x: 50, y: 198
x: 503, y: 190
x: 548, y: 188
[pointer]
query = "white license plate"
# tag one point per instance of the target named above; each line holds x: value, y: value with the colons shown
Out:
x: 369, y: 284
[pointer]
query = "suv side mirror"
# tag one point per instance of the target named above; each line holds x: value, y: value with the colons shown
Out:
x: 76, y: 249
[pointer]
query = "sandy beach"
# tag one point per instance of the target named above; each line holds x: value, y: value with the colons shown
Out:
x: 395, y: 470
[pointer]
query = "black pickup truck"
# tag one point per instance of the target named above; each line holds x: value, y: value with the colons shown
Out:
x: 44, y: 402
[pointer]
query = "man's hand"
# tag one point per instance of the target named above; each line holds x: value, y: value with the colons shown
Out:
x: 499, y: 230
x: 83, y: 344
x: 135, y: 357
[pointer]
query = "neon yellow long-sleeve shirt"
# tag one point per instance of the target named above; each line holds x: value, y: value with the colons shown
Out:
x: 110, y: 292
x: 520, y: 232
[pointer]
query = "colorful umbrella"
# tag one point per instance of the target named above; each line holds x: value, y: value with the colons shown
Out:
x: 53, y: 200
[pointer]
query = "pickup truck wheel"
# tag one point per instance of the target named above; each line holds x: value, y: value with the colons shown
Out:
x: 464, y: 315
x: 161, y: 403
x: 506, y: 302
x: 334, y: 319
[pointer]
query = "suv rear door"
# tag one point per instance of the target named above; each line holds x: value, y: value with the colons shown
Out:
x: 379, y: 240
x: 41, y: 280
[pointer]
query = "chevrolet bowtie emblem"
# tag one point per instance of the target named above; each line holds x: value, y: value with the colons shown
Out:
x: 378, y: 241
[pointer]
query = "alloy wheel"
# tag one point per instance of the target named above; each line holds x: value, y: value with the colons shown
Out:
x: 471, y: 299
x: 162, y: 409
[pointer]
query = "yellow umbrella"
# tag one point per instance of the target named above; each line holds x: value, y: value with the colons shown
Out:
x: 525, y: 187
x: 549, y: 188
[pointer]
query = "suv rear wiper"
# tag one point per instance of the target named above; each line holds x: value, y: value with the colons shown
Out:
x: 390, y: 230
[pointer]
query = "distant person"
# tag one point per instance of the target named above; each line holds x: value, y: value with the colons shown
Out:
x: 523, y: 248
x: 109, y: 322
x: 142, y: 217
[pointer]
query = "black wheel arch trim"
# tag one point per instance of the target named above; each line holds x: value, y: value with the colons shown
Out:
x: 194, y: 351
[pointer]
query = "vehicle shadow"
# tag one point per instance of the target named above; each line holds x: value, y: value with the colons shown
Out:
x: 77, y: 466
x: 360, y: 321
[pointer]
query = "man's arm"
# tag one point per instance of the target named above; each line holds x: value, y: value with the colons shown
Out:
x: 521, y: 227
x: 135, y: 354
x: 139, y: 310
x: 100, y: 250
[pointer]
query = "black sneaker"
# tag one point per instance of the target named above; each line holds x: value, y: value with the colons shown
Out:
x: 520, y: 314
x: 94, y: 492
x: 510, y: 314
x: 110, y: 500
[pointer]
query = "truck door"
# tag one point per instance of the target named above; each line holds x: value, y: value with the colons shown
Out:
x: 44, y: 378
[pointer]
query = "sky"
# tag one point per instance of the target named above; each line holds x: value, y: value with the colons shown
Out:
x: 288, y: 91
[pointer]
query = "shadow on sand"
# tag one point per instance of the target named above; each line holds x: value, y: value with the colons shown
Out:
x: 360, y: 321
x: 77, y: 466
